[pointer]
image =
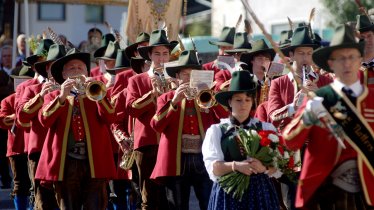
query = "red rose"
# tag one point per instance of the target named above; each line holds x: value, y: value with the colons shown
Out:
x: 281, y: 150
x: 265, y: 142
x: 291, y: 163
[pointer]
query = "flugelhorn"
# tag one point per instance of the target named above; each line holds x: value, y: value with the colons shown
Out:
x: 163, y: 84
x: 94, y: 90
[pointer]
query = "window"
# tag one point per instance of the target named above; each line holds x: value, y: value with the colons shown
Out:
x: 51, y: 11
x: 94, y: 14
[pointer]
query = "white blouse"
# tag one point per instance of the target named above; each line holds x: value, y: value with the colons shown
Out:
x: 211, y: 148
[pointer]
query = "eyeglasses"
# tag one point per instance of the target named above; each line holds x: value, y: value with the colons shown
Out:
x: 351, y: 58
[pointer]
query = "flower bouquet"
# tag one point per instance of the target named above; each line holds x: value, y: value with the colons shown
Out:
x: 266, y: 146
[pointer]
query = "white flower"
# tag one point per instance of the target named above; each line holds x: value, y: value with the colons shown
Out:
x: 273, y: 138
x: 254, y: 132
x: 286, y: 155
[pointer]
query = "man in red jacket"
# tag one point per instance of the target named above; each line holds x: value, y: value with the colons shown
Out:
x: 77, y: 153
x: 142, y: 92
x: 182, y: 124
x: 286, y: 92
x: 337, y: 120
x: 27, y: 111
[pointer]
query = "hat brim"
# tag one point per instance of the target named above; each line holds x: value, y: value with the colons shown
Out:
x: 99, y: 52
x: 58, y: 65
x: 171, y: 71
x: 114, y: 71
x: 143, y: 51
x: 224, y: 96
x: 31, y: 60
x: 218, y: 43
x: 287, y: 49
x: 321, y: 56
x: 20, y: 77
x: 231, y: 52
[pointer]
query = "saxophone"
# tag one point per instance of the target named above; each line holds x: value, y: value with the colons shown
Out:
x: 264, y: 93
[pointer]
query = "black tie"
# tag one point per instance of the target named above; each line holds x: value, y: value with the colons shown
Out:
x: 349, y: 93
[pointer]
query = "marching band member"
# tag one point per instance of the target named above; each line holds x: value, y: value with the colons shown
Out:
x: 142, y: 92
x: 27, y: 112
x: 241, y: 45
x: 365, y: 28
x: 285, y: 91
x: 182, y: 124
x: 16, y: 152
x: 77, y: 154
x: 105, y: 40
x: 337, y: 172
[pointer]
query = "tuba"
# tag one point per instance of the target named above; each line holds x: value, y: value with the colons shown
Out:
x: 94, y: 90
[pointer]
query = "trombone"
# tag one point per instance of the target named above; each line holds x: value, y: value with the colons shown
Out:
x: 94, y: 90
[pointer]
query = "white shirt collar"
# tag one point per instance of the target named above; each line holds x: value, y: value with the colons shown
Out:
x: 356, y: 87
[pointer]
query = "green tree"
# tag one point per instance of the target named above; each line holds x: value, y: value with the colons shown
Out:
x: 343, y: 11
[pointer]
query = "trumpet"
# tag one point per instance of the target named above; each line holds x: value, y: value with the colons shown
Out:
x: 204, y: 98
x: 164, y: 84
x: 94, y: 90
x: 55, y: 85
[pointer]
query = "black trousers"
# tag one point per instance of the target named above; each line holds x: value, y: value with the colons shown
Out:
x: 6, y: 180
x: 194, y: 175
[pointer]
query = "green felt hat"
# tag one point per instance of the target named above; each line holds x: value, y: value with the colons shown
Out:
x: 111, y: 51
x: 241, y: 81
x: 121, y: 62
x: 343, y: 38
x: 130, y: 50
x: 364, y: 24
x: 226, y: 38
x: 157, y: 38
x: 41, y: 51
x: 105, y: 39
x: 25, y: 72
x: 285, y: 38
x: 300, y: 38
x: 55, y: 52
x: 58, y: 65
x: 241, y: 44
x: 187, y: 59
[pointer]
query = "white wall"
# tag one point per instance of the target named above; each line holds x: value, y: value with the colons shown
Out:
x: 226, y: 12
x: 74, y: 27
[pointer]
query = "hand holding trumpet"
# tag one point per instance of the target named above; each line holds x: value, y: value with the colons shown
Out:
x: 180, y: 93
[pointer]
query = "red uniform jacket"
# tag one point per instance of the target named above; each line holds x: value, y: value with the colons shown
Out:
x: 141, y: 105
x: 27, y: 111
x: 323, y: 154
x: 122, y: 80
x: 16, y: 143
x: 121, y: 128
x: 169, y: 122
x: 58, y: 117
x: 95, y: 71
x: 281, y: 94
x: 221, y: 77
x: 365, y: 75
x: 261, y: 112
x: 211, y: 66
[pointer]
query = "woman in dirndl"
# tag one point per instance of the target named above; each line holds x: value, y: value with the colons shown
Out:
x: 222, y: 153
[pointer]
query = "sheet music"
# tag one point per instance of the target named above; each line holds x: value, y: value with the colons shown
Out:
x: 229, y: 60
x: 201, y: 79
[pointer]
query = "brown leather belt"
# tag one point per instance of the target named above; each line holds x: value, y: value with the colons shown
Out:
x: 191, y: 143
